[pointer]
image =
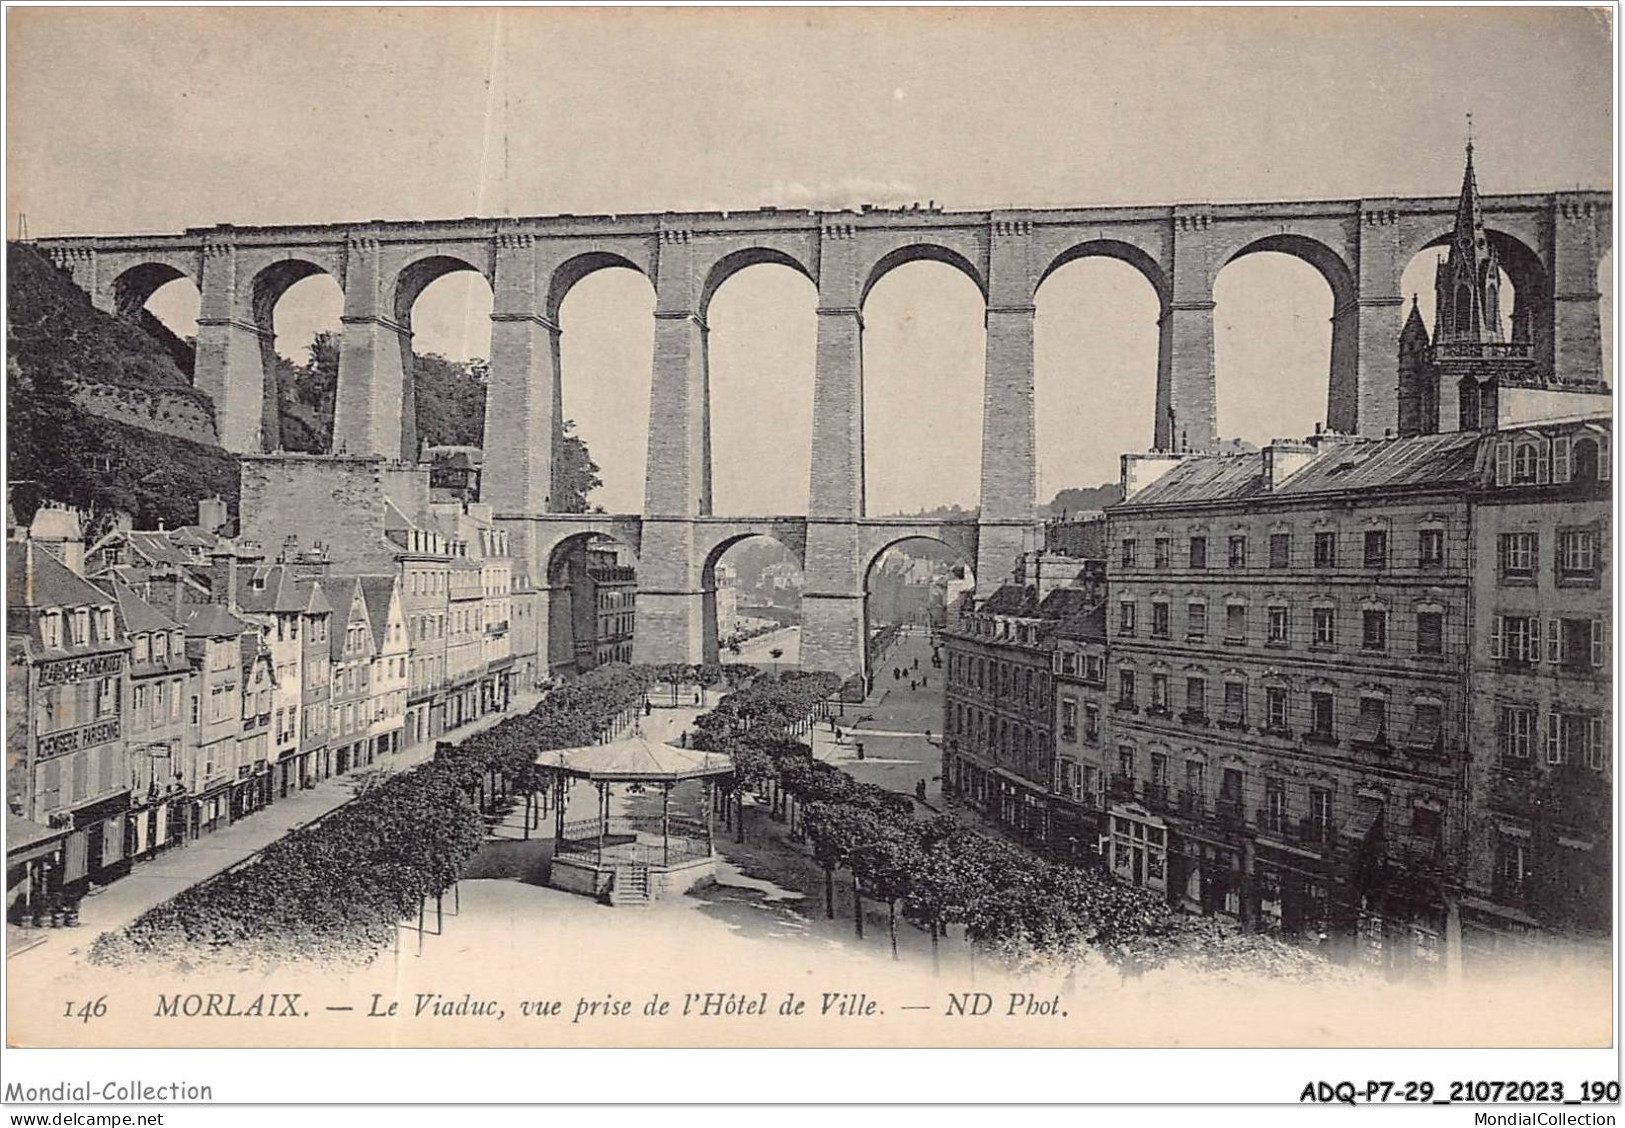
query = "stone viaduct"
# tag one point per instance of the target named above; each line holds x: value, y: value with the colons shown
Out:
x: 1549, y: 244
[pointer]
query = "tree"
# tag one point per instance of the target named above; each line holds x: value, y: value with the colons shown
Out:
x: 834, y: 829
x: 952, y: 873
x: 887, y: 864
x: 575, y: 474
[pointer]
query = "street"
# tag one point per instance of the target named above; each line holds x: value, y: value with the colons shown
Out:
x: 758, y: 651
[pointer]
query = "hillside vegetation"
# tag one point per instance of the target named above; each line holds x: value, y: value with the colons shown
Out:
x: 52, y: 325
x: 58, y: 451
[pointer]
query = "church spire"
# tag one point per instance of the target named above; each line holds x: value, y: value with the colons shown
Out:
x: 1469, y: 233
x: 1468, y: 281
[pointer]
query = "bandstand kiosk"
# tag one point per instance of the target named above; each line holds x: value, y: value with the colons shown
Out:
x: 631, y: 859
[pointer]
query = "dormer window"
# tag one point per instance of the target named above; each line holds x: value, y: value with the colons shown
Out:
x: 50, y: 628
x: 81, y: 626
x: 143, y: 647
x: 1525, y: 464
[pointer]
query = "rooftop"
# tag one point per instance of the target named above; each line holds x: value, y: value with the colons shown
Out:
x: 1440, y: 461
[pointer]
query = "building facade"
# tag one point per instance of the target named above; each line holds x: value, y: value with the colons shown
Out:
x: 1540, y: 840
x: 155, y: 722
x: 1288, y: 652
x: 68, y: 775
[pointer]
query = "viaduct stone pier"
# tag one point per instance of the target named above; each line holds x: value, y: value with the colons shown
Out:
x: 1549, y: 244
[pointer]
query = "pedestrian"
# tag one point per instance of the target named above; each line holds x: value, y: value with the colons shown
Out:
x: 924, y: 681
x: 860, y: 749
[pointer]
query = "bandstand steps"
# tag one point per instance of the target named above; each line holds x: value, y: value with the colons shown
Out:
x: 630, y: 885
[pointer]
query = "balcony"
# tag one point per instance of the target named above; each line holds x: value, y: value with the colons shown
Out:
x: 1230, y: 813
x: 1303, y: 833
x: 1157, y: 798
x: 1122, y: 787
x: 1194, y: 717
x: 1415, y: 852
x: 1193, y: 805
x: 1570, y: 795
x: 1484, y: 350
x: 1274, y: 823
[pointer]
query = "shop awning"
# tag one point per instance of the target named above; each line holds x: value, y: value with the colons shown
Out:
x: 1424, y: 734
x: 26, y: 840
x: 1363, y: 820
x: 1368, y: 729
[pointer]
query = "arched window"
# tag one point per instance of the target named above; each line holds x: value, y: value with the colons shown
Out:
x: 1464, y: 309
x: 1525, y: 460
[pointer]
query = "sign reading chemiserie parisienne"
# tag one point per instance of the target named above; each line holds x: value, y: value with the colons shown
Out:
x: 60, y: 743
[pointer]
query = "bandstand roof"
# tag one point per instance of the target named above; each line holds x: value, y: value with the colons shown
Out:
x: 635, y: 758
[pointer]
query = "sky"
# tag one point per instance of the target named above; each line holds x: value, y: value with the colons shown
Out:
x: 127, y: 120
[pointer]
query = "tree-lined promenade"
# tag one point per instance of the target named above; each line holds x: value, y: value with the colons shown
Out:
x: 340, y: 888
x: 938, y: 873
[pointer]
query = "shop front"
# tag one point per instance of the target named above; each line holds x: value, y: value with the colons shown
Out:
x: 1076, y: 829
x: 95, y: 845
x: 34, y: 867
x: 153, y: 822
x: 1138, y: 849
x: 212, y: 810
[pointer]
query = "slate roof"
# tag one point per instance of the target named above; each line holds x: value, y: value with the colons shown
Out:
x: 157, y: 548
x: 341, y: 591
x: 1429, y: 461
x: 209, y: 620
x: 39, y: 579
x: 1010, y: 599
x: 311, y: 595
x: 1422, y: 460
x: 279, y: 591
x: 1064, y: 602
x: 195, y: 536
x: 1087, y: 626
x: 136, y: 615
x: 375, y: 593
x: 1210, y: 477
x: 250, y: 647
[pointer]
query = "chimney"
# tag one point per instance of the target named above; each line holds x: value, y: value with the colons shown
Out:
x: 211, y: 514
x: 1283, y: 458
x: 58, y: 530
x: 223, y: 578
x: 1140, y: 470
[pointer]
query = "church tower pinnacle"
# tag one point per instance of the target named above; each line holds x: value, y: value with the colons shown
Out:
x: 1467, y: 283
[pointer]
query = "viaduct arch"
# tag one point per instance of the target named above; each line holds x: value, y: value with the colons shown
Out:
x: 1550, y: 244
